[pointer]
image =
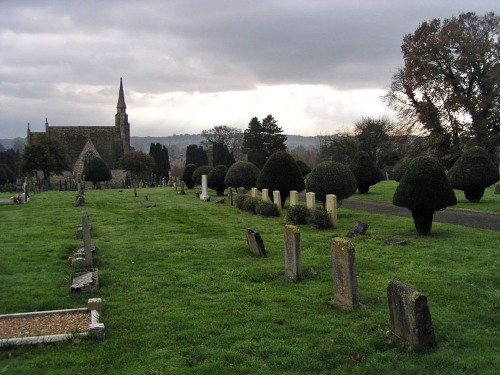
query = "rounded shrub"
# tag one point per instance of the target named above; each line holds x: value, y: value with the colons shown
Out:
x: 365, y: 171
x: 242, y: 174
x: 198, y: 172
x: 400, y: 169
x: 297, y: 215
x: 250, y: 204
x: 331, y: 177
x: 96, y: 171
x: 319, y: 218
x: 215, y: 179
x: 188, y: 174
x: 303, y: 167
x: 266, y: 209
x: 424, y: 189
x: 281, y: 173
x: 473, y: 172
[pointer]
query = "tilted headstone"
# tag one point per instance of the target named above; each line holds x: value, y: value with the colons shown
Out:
x: 292, y: 252
x: 345, y: 280
x: 357, y: 228
x: 255, y: 242
x: 277, y: 200
x: 253, y: 192
x: 294, y: 198
x: 409, y: 317
x: 204, y: 188
x: 86, y: 281
x: 311, y: 200
x: 83, y: 256
x: 331, y: 208
x: 265, y: 195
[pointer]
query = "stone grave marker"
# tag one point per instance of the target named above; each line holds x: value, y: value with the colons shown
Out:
x: 183, y: 187
x: 277, y: 200
x: 409, y: 317
x: 86, y: 281
x: 240, y: 191
x: 204, y: 188
x: 253, y: 192
x: 395, y: 241
x: 331, y: 208
x: 83, y: 256
x: 230, y: 198
x: 294, y: 198
x: 292, y: 252
x: 265, y: 195
x: 255, y: 243
x: 345, y: 280
x: 357, y: 228
x: 311, y: 200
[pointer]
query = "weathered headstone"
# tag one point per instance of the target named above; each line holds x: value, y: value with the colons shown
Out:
x: 311, y: 200
x: 255, y: 242
x: 204, y: 188
x: 265, y: 195
x: 86, y: 281
x: 240, y: 191
x: 294, y: 198
x: 230, y: 198
x: 277, y: 200
x: 357, y: 228
x: 331, y: 208
x: 182, y: 186
x: 83, y: 256
x: 345, y: 280
x: 409, y: 317
x: 292, y: 252
x: 219, y: 200
x: 25, y: 192
x: 253, y: 192
x: 394, y: 241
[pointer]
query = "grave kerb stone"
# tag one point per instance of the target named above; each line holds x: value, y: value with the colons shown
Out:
x: 345, y: 281
x: 292, y: 252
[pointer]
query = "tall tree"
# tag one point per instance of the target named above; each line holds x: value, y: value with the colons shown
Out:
x: 196, y: 155
x: 450, y: 83
x: 262, y: 139
x: 231, y: 137
x: 159, y: 153
x: 221, y: 155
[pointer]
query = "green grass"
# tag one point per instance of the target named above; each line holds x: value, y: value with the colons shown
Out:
x: 384, y: 190
x: 182, y: 294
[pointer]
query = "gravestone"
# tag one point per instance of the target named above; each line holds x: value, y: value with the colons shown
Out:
x: 255, y: 243
x: 409, y: 317
x: 204, y: 188
x: 311, y: 200
x: 86, y: 281
x: 240, y: 191
x: 357, y: 228
x: 220, y: 200
x: 183, y: 186
x: 230, y: 198
x: 265, y: 195
x: 25, y: 192
x: 253, y: 192
x: 292, y: 252
x: 294, y: 198
x: 83, y: 256
x: 331, y: 208
x: 277, y: 200
x: 394, y: 241
x: 345, y: 280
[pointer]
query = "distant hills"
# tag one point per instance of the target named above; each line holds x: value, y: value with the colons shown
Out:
x: 178, y: 141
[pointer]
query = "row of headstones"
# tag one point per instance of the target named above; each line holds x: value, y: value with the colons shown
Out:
x: 409, y: 315
x: 86, y: 280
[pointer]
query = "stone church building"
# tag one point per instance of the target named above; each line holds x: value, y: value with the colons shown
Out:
x: 82, y: 143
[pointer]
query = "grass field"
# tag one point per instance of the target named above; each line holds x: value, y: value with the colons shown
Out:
x: 182, y: 294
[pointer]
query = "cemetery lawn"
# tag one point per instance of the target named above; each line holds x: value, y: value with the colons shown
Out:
x: 182, y: 295
x: 384, y: 191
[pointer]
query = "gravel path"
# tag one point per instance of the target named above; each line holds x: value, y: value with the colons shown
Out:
x: 457, y: 216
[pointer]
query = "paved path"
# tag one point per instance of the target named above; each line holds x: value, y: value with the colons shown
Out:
x: 458, y: 216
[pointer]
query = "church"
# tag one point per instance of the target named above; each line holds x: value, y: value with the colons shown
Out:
x: 82, y: 143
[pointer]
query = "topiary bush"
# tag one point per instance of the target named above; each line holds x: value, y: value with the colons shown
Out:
x: 188, y: 174
x: 331, y: 177
x: 297, y: 215
x: 198, y: 172
x: 96, y: 171
x: 250, y: 204
x: 424, y: 189
x: 266, y: 209
x: 473, y: 172
x: 319, y: 218
x: 215, y: 179
x: 242, y: 174
x: 303, y: 167
x: 281, y: 173
x: 400, y: 169
x: 365, y: 171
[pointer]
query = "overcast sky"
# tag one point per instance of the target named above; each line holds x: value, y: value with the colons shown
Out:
x: 317, y: 66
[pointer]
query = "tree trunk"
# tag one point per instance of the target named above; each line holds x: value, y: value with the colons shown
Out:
x: 363, y: 189
x: 474, y: 196
x: 423, y: 221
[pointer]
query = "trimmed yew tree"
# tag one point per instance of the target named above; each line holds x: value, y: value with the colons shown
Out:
x: 187, y: 176
x: 424, y: 189
x: 365, y: 171
x: 200, y: 171
x: 473, y: 172
x: 242, y: 174
x: 281, y: 173
x: 215, y: 179
x: 303, y: 167
x: 96, y: 171
x: 331, y: 177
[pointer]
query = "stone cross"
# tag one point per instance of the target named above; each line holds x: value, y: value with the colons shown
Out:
x: 204, y: 188
x: 277, y: 200
x: 331, y: 208
x: 265, y: 195
x: 255, y: 242
x: 253, y: 192
x: 292, y: 252
x: 345, y: 281
x: 409, y: 317
x: 294, y: 198
x: 311, y: 200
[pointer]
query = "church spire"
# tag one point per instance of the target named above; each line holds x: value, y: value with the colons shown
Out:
x: 121, y: 98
